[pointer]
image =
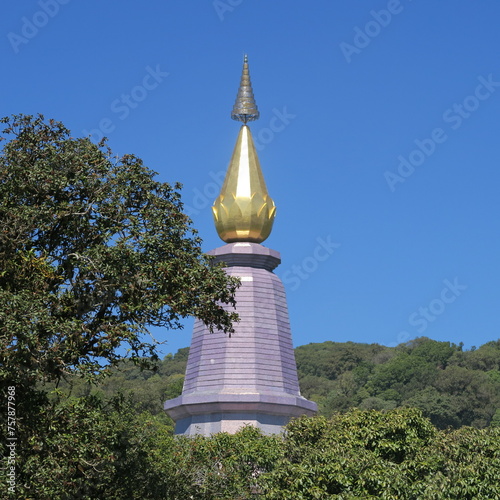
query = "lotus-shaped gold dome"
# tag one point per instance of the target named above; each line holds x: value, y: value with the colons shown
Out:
x: 244, y: 211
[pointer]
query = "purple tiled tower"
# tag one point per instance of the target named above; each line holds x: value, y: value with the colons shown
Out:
x: 249, y: 378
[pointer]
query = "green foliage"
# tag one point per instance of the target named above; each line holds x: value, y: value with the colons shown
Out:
x: 487, y: 357
x: 93, y: 251
x: 228, y: 466
x: 330, y: 359
x: 455, y: 395
x: 437, y: 353
x: 90, y: 449
x: 451, y: 386
x: 147, y: 389
x: 399, y: 454
x: 99, y: 446
x: 440, y: 408
x: 93, y: 450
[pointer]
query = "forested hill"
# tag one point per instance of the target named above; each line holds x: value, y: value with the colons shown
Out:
x: 453, y: 387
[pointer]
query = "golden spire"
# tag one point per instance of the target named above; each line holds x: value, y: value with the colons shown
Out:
x: 244, y: 211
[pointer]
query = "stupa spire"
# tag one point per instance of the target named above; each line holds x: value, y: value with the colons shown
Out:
x: 251, y: 378
x: 244, y: 211
x: 245, y: 108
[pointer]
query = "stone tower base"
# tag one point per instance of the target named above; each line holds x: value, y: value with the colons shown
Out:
x: 249, y: 378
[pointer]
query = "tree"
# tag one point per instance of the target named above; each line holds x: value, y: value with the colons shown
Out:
x: 387, y: 455
x: 404, y: 373
x: 441, y: 409
x: 90, y: 449
x: 93, y: 252
x: 487, y: 357
x: 430, y: 350
x: 451, y: 386
x: 93, y: 449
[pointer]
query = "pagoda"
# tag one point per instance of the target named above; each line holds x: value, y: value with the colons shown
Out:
x: 250, y: 377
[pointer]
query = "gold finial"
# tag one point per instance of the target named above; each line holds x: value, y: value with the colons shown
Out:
x: 244, y: 211
x: 245, y: 108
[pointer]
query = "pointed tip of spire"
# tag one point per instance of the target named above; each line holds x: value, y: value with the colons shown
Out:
x: 245, y: 108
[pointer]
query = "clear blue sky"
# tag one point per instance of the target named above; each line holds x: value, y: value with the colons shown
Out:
x: 379, y: 139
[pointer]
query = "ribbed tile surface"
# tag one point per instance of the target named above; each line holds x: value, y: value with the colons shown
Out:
x: 258, y: 358
x: 249, y: 378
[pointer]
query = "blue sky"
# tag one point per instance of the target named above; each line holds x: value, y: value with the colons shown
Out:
x: 378, y: 138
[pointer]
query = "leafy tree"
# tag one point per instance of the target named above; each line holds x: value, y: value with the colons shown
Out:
x: 495, y: 421
x: 91, y: 449
x: 475, y: 394
x: 226, y: 466
x: 441, y: 409
x: 403, y: 373
x: 486, y: 357
x: 330, y: 359
x: 451, y: 386
x: 431, y: 351
x: 93, y: 252
x: 461, y: 464
x: 148, y: 389
x: 355, y: 454
x: 454, y: 396
x: 370, y: 454
x: 374, y: 403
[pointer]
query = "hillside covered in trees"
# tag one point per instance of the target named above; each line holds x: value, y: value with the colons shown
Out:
x: 451, y: 386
